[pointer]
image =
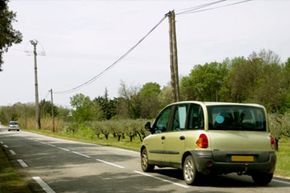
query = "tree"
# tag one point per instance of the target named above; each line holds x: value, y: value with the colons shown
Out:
x: 107, y: 105
x: 129, y: 102
x: 85, y: 109
x: 8, y: 35
x: 204, y: 82
x: 150, y: 102
x: 46, y: 108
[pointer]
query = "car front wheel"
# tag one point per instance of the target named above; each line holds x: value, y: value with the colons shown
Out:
x: 146, y: 167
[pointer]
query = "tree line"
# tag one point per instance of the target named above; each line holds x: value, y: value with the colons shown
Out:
x: 261, y: 78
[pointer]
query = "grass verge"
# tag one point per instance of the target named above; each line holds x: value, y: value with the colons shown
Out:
x: 10, y: 179
x: 283, y: 155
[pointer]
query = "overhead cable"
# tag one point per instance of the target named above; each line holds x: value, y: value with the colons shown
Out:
x: 94, y: 78
x: 186, y: 10
x: 212, y: 8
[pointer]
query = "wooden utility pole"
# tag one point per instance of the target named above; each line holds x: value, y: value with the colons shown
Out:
x: 173, y: 56
x: 52, y: 111
x: 37, y: 110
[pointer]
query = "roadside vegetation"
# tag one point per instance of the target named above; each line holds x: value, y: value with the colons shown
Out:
x: 10, y: 179
x: 261, y: 78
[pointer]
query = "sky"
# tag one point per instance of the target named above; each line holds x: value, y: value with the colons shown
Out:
x: 78, y: 39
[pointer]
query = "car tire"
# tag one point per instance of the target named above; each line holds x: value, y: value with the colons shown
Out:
x: 146, y: 167
x: 190, y: 174
x: 262, y: 179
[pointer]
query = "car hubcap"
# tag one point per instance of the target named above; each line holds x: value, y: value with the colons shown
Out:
x: 188, y: 170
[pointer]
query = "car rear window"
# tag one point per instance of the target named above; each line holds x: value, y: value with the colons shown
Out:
x: 241, y: 118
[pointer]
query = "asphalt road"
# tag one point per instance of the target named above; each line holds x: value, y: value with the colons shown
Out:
x: 61, y: 166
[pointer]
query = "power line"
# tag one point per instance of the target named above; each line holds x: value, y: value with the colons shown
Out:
x: 212, y: 8
x: 180, y: 12
x: 186, y: 10
x: 94, y: 78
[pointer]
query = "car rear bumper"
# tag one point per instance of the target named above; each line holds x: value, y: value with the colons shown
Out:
x: 208, y: 162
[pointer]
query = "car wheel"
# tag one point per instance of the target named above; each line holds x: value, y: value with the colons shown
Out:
x: 262, y: 179
x: 146, y: 167
x: 190, y: 174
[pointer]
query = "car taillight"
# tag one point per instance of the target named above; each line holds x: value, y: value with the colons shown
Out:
x: 202, y: 141
x: 273, y: 142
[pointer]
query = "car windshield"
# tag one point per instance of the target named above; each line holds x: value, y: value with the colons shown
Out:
x: 13, y: 123
x: 236, y: 117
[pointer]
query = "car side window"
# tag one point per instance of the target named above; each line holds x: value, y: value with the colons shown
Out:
x: 196, y: 119
x: 162, y: 121
x: 179, y: 120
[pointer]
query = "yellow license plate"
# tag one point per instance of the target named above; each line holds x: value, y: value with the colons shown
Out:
x: 242, y: 158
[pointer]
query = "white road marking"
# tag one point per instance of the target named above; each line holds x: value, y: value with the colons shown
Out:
x: 64, y: 149
x: 75, y: 152
x: 51, y: 145
x: 12, y: 152
x: 1, y: 142
x: 22, y: 163
x: 6, y: 146
x: 161, y: 179
x: 43, y: 185
x: 281, y: 181
x: 111, y: 164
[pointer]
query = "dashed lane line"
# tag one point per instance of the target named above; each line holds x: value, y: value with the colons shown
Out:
x: 161, y: 179
x: 6, y: 146
x: 43, y: 185
x: 12, y: 152
x: 51, y: 145
x: 64, y: 149
x: 110, y: 163
x: 81, y: 154
x: 22, y: 163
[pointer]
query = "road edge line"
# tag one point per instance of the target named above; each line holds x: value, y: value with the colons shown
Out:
x: 43, y: 185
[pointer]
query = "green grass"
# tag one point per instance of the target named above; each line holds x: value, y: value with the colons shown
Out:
x: 283, y: 155
x: 10, y: 179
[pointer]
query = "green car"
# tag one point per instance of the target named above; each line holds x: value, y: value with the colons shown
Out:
x: 203, y: 138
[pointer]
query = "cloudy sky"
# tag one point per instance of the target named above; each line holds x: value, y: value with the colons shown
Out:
x: 78, y: 39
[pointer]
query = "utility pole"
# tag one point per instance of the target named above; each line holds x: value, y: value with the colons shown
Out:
x: 37, y: 111
x: 173, y: 56
x: 52, y: 110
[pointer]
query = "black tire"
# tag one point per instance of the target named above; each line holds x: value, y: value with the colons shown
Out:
x: 146, y: 167
x: 262, y: 179
x: 190, y: 174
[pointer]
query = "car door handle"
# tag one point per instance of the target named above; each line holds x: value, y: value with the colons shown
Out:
x: 163, y: 137
x: 182, y: 137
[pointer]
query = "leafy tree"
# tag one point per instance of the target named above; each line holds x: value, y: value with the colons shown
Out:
x: 204, y: 82
x: 129, y: 102
x: 107, y: 106
x: 150, y: 102
x: 46, y: 108
x: 8, y: 35
x: 85, y: 109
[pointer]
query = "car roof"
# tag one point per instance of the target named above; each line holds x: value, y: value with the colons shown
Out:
x: 205, y: 103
